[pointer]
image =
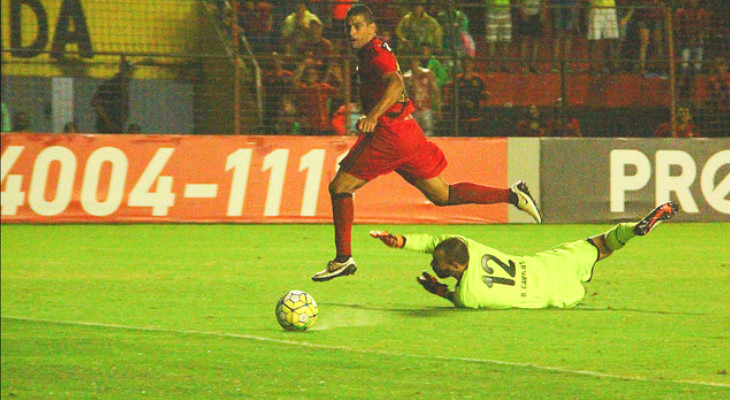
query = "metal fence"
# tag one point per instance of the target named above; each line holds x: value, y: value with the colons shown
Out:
x: 473, y: 68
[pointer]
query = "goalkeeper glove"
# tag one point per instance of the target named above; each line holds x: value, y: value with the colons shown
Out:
x: 390, y: 240
x: 432, y: 284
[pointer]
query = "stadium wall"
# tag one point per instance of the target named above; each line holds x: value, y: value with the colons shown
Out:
x: 78, y: 178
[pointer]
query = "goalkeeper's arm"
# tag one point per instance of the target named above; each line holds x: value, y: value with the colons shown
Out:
x: 420, y: 242
x: 389, y: 239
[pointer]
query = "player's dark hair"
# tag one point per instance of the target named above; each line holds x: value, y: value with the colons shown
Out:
x: 454, y: 250
x: 361, y: 9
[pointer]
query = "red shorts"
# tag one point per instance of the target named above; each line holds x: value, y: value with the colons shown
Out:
x: 398, y: 144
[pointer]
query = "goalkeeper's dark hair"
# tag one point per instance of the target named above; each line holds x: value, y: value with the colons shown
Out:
x: 454, y: 250
x: 361, y: 9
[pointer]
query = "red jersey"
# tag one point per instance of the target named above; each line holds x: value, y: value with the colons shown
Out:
x: 375, y: 59
x: 398, y: 143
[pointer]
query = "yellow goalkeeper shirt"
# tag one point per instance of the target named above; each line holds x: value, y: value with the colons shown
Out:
x: 497, y: 280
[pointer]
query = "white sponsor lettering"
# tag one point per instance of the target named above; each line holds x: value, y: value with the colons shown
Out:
x: 37, y: 198
x: 680, y: 184
x: 675, y: 173
x: 716, y: 194
x: 12, y: 197
x: 621, y: 182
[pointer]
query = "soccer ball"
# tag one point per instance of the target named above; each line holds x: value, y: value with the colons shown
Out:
x: 296, y: 311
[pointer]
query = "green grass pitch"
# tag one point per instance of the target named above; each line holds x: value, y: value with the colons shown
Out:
x: 187, y: 312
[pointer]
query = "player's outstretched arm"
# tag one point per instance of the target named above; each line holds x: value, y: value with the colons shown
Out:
x: 390, y: 240
x: 432, y: 285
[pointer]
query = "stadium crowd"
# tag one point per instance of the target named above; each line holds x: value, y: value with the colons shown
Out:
x: 452, y: 52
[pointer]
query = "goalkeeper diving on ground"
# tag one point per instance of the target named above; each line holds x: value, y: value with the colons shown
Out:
x: 488, y: 278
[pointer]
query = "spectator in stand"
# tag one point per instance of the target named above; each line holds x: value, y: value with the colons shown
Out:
x: 296, y: 26
x: 70, y: 127
x: 719, y: 83
x: 563, y: 123
x: 684, y: 129
x: 440, y: 72
x: 21, y: 122
x: 456, y: 37
x: 499, y: 31
x: 690, y: 23
x: 472, y: 86
x: 111, y: 100
x: 719, y: 87
x: 313, y: 96
x: 287, y: 121
x: 425, y: 94
x: 529, y: 26
x: 565, y: 26
x: 257, y: 20
x: 416, y: 29
x: 533, y: 125
x: 277, y: 83
x: 650, y: 19
x: 316, y: 47
x: 602, y: 33
x: 625, y: 11
x: 322, y: 9
x: 334, y: 76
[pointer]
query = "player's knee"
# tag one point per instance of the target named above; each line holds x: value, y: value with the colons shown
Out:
x: 600, y: 243
x: 334, y: 188
x: 338, y: 189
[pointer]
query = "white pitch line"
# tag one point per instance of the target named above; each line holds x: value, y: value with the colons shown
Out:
x: 366, y: 351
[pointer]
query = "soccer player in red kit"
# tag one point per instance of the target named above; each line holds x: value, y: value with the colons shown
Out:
x: 391, y: 140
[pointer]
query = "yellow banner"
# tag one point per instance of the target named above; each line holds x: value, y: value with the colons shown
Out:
x: 77, y: 37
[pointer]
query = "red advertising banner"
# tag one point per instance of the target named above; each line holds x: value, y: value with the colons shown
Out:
x: 53, y: 178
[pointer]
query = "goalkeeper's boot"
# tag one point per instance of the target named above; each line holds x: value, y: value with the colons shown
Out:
x: 655, y: 217
x: 522, y: 198
x: 336, y: 269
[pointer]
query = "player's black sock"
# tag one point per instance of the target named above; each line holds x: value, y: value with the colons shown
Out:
x: 342, y: 258
x: 513, y: 199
